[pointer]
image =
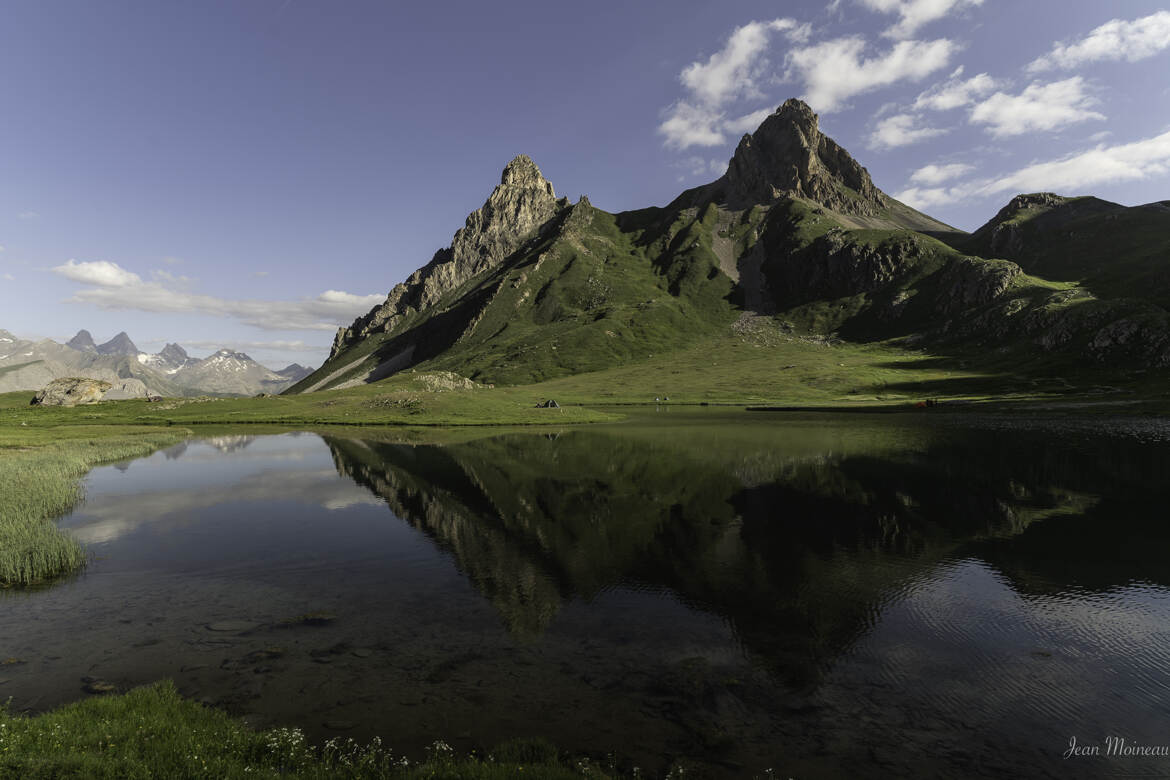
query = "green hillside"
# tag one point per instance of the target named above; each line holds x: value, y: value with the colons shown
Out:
x: 1114, y: 251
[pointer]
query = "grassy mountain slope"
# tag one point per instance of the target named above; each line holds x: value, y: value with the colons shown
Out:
x: 1114, y: 251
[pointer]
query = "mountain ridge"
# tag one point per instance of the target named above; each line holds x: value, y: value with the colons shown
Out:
x: 793, y: 224
x: 29, y: 365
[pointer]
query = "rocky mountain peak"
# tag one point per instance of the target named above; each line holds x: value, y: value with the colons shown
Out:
x: 523, y: 201
x: 82, y: 341
x: 518, y: 208
x: 294, y: 372
x: 230, y: 354
x: 788, y: 155
x: 522, y: 172
x: 118, y: 345
x: 173, y: 353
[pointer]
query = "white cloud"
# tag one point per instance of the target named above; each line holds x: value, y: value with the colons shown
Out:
x: 1115, y: 40
x: 26, y: 215
x: 834, y: 71
x: 955, y: 92
x: 937, y: 174
x: 687, y: 125
x: 748, y: 122
x: 732, y: 73
x: 243, y: 346
x: 99, y: 272
x: 113, y: 287
x: 1039, y: 107
x: 922, y: 198
x: 1, y: 247
x: 260, y: 274
x: 9, y: 278
x: 915, y: 13
x: 1103, y: 165
x: 172, y: 260
x: 1069, y: 175
x: 899, y: 130
x: 700, y: 166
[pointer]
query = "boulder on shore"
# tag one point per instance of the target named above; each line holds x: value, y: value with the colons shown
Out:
x: 71, y: 391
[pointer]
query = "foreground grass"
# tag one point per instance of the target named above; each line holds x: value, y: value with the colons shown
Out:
x: 153, y: 732
x: 40, y: 472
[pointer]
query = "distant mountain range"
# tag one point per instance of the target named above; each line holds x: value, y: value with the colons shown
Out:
x: 794, y: 235
x: 29, y: 365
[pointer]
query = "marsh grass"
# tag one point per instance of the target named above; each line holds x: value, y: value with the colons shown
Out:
x: 40, y: 480
x: 153, y: 732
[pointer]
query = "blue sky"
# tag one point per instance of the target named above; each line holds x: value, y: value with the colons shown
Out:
x: 253, y: 174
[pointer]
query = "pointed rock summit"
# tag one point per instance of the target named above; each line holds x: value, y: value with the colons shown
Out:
x: 788, y: 155
x: 83, y: 341
x: 173, y: 353
x: 118, y: 345
x: 294, y: 372
x: 520, y: 205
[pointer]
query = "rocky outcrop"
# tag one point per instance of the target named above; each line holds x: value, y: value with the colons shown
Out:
x: 970, y: 282
x: 438, y: 381
x: 835, y: 267
x: 522, y: 203
x: 788, y: 156
x: 71, y: 391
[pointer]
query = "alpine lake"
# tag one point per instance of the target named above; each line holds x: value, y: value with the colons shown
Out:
x: 933, y: 594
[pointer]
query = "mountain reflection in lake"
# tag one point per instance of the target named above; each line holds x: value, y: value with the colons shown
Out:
x: 825, y: 596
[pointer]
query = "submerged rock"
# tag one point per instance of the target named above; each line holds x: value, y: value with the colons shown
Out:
x: 93, y: 685
x: 231, y: 626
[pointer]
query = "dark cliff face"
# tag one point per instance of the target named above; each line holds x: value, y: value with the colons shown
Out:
x: 789, y: 156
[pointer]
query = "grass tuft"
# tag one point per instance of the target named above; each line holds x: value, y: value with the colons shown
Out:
x: 40, y: 473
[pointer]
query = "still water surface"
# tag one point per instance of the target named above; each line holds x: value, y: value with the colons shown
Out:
x: 852, y: 595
